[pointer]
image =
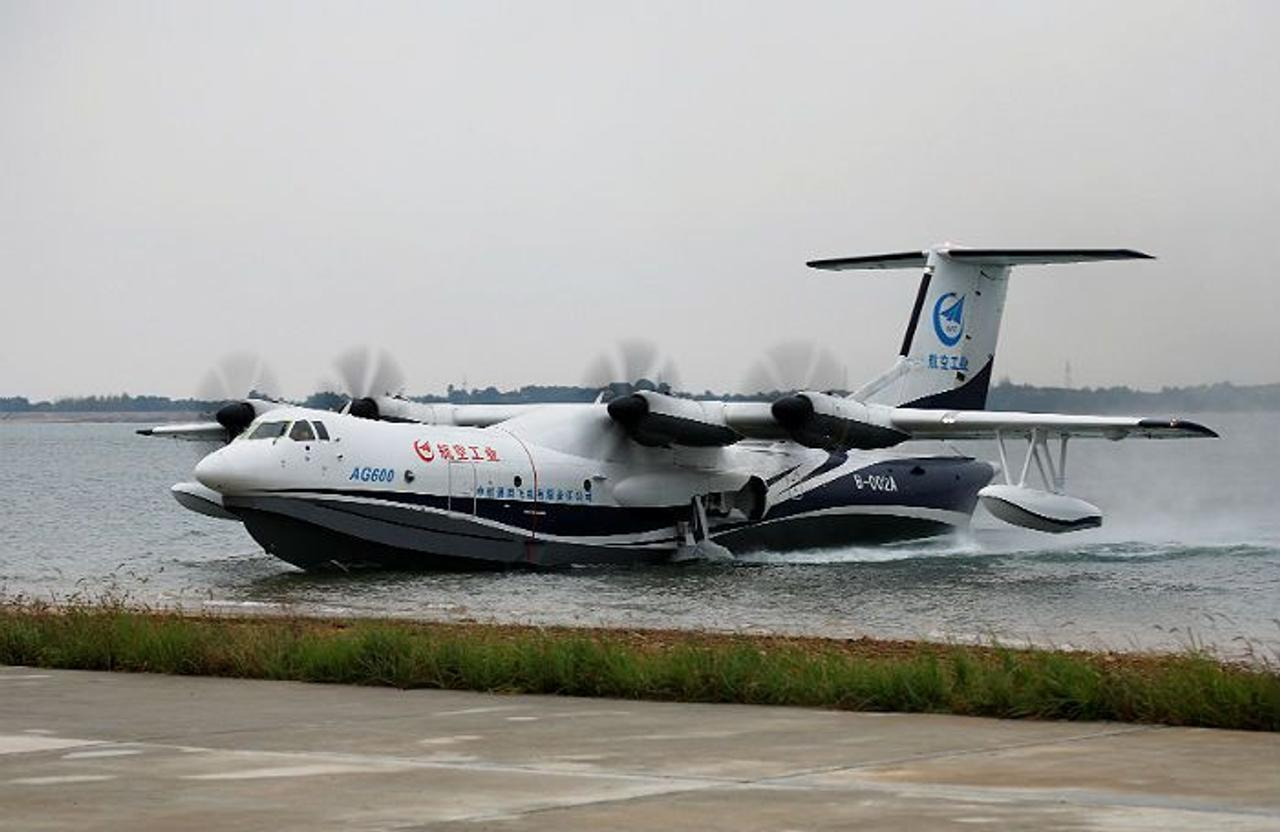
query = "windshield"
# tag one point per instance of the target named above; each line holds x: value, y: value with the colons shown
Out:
x: 301, y: 432
x: 269, y: 430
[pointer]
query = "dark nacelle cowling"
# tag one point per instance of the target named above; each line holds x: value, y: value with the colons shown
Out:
x: 364, y: 408
x: 819, y: 420
x: 658, y: 420
x: 235, y: 417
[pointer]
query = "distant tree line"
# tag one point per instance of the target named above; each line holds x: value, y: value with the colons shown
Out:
x: 1004, y: 396
x: 122, y: 403
x: 1201, y: 398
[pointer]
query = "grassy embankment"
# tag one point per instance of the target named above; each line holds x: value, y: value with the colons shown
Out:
x: 1188, y: 689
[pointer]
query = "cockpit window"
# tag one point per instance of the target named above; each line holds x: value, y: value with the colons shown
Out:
x: 301, y: 431
x: 321, y: 430
x: 269, y: 430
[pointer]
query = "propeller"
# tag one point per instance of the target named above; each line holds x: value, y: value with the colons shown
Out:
x: 364, y: 373
x: 795, y: 365
x: 633, y: 363
x: 233, y: 379
x: 238, y: 376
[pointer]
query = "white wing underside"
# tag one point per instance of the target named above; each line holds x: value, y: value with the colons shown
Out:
x: 195, y: 431
x: 984, y: 424
x: 753, y: 420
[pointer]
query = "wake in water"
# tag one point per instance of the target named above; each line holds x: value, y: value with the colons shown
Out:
x: 1005, y: 543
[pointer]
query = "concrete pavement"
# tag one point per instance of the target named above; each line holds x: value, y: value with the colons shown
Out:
x: 85, y: 750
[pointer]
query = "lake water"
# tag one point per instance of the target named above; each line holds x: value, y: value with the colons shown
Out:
x: 1189, y: 554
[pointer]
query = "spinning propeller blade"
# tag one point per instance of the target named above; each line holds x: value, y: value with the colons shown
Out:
x: 235, y: 378
x: 238, y: 376
x: 364, y: 372
x: 632, y: 363
x: 795, y: 365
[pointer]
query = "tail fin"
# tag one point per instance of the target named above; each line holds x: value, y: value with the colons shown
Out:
x: 949, y: 347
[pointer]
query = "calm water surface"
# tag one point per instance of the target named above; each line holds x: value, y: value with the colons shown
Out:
x: 1190, y: 554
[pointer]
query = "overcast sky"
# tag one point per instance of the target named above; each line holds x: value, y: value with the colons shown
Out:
x: 497, y: 192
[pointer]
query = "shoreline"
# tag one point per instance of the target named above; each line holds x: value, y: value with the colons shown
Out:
x: 65, y: 417
x: 1242, y: 652
x: 862, y: 674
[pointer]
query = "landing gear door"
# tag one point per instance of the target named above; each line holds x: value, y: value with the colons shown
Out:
x: 462, y: 487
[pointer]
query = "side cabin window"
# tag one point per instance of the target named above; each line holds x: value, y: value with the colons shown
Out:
x: 301, y: 431
x: 321, y: 431
x: 269, y: 430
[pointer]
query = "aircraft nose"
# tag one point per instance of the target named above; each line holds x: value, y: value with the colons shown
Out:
x: 214, y: 471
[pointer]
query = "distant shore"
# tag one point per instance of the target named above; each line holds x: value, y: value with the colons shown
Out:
x: 72, y: 416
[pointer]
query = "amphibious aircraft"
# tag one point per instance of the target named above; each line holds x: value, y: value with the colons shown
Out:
x: 650, y: 476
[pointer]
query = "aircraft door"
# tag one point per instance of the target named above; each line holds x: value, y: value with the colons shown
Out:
x: 462, y: 487
x: 524, y: 481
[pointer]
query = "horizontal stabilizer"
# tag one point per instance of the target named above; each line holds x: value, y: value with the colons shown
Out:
x: 986, y: 256
x: 896, y: 260
x: 1038, y: 256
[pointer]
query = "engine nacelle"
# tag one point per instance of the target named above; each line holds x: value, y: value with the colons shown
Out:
x: 236, y: 416
x: 1042, y: 511
x: 819, y: 420
x: 657, y: 420
x: 392, y: 409
x: 396, y: 409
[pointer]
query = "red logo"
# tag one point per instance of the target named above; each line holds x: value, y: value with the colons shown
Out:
x: 424, y: 451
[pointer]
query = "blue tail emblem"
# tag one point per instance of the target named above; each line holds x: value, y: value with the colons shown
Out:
x: 948, y: 318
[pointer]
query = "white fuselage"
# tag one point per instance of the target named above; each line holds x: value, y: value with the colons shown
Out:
x: 557, y: 485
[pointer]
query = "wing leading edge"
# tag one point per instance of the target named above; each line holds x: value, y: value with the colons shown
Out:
x: 198, y: 431
x: 983, y: 424
x: 755, y: 420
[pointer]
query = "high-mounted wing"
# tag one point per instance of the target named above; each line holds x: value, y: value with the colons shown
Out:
x: 228, y: 423
x: 811, y: 418
x: 198, y: 431
x: 821, y: 420
x: 985, y: 424
x: 1016, y: 500
x: 396, y: 409
x: 754, y: 420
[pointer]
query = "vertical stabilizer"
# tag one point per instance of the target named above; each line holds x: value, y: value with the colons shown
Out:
x: 949, y: 347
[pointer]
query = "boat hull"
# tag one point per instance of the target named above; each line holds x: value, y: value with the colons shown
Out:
x: 345, y: 529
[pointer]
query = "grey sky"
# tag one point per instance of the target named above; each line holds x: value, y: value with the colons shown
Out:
x: 499, y: 191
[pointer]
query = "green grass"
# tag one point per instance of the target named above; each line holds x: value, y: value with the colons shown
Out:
x: 1187, y: 689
